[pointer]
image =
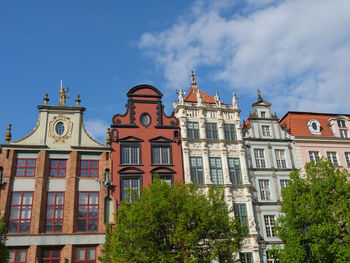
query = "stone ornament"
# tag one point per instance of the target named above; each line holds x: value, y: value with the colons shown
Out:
x: 60, y: 136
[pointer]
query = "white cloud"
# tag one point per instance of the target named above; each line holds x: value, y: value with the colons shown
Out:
x: 296, y: 51
x: 96, y: 128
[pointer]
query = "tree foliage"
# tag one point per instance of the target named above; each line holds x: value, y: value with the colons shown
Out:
x: 316, y: 215
x: 174, y: 224
x: 4, y: 253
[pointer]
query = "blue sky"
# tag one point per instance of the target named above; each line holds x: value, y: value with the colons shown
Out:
x: 297, y: 52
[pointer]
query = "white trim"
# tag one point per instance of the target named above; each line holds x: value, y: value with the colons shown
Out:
x: 58, y: 155
x: 88, y: 184
x: 23, y: 184
x: 27, y: 155
x: 58, y: 184
x: 89, y: 156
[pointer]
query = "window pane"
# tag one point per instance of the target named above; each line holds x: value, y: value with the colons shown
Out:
x: 59, y: 212
x: 21, y: 163
x: 90, y: 253
x: 51, y: 198
x: 14, y: 212
x: 93, y: 212
x: 93, y: 173
x: 26, y: 212
x: 30, y: 163
x: 49, y: 212
x: 30, y: 172
x: 84, y: 172
x: 21, y: 255
x: 62, y: 163
x: 27, y: 198
x: 16, y: 198
x: 94, y: 164
x: 84, y: 164
x: 12, y: 255
x: 59, y: 198
x: 80, y: 253
x: 20, y: 171
x: 93, y: 198
x: 83, y: 198
x: 82, y: 211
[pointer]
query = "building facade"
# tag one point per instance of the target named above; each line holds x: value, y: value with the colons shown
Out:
x: 213, y: 154
x: 319, y: 135
x: 145, y: 143
x: 271, y: 157
x: 53, y: 192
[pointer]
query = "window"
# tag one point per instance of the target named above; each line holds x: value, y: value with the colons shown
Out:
x: 130, y: 189
x: 216, y: 170
x: 25, y: 167
x: 269, y: 225
x: 58, y: 168
x: 59, y: 128
x: 161, y: 155
x: 269, y: 259
x: 192, y: 130
x: 51, y: 255
x: 284, y: 183
x: 21, y: 212
x: 235, y: 170
x: 89, y: 168
x: 313, y: 156
x: 347, y: 157
x: 145, y: 119
x: 241, y: 213
x: 264, y: 186
x: 168, y: 178
x: 196, y: 166
x: 18, y: 255
x: 265, y: 130
x: 211, y: 130
x: 343, y: 133
x: 259, y: 158
x: 341, y: 123
x: 280, y: 159
x: 54, y: 212
x: 246, y: 257
x: 85, y: 254
x: 314, y: 127
x: 230, y: 132
x: 87, y: 212
x: 130, y: 154
x: 332, y: 156
x: 263, y: 114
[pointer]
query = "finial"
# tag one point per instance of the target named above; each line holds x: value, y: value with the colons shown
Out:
x: 78, y: 100
x: 8, y: 133
x: 234, y: 100
x: 46, y: 98
x: 63, y: 95
x: 108, y: 137
x: 217, y: 99
x: 193, y: 78
x: 259, y: 95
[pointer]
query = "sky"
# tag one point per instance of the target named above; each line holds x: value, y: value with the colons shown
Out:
x: 297, y: 52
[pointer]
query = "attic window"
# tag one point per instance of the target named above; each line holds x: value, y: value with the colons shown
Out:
x: 314, y: 127
x: 263, y: 114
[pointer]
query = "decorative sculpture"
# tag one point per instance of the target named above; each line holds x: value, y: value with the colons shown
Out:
x: 63, y: 95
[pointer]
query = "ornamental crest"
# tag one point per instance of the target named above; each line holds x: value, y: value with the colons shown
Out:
x: 60, y: 128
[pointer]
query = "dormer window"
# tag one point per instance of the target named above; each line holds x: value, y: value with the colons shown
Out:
x: 343, y: 131
x: 341, y: 123
x: 314, y: 127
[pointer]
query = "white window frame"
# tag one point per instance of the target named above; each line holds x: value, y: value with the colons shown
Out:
x: 343, y: 133
x: 281, y: 158
x: 259, y: 156
x: 347, y: 158
x: 314, y: 155
x: 269, y: 221
x: 332, y: 156
x: 265, y: 189
x: 265, y: 130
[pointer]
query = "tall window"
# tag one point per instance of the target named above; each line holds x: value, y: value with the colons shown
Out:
x: 265, y: 130
x: 269, y: 225
x: 263, y: 114
x: 216, y: 170
x: 343, y: 133
x: 21, y: 212
x: 58, y: 167
x: 192, y: 130
x: 280, y: 159
x: 246, y: 257
x: 241, y: 213
x: 347, y: 157
x: 130, y: 189
x: 284, y: 183
x: 54, y: 212
x: 87, y: 212
x: 230, y: 132
x: 51, y: 255
x: 265, y: 193
x: 18, y: 255
x: 89, y: 168
x: 161, y: 155
x: 259, y: 158
x: 85, y: 254
x: 332, y: 156
x: 211, y: 130
x: 341, y: 123
x: 25, y: 167
x: 235, y: 170
x: 130, y: 154
x: 313, y: 156
x: 196, y: 166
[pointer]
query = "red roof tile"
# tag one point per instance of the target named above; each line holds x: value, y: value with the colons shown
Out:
x: 192, y: 96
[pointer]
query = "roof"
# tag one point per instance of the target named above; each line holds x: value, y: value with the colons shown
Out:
x: 192, y: 96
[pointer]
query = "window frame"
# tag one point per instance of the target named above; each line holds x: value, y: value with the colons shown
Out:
x: 341, y: 123
x: 85, y: 260
x: 195, y: 171
x: 259, y: 156
x: 19, y: 219
x: 269, y: 226
x: 265, y: 190
x: 25, y: 167
x: 88, y: 218
x: 130, y: 145
x: 343, y: 133
x: 248, y: 257
x: 281, y: 159
x: 58, y: 168
x: 211, y: 131
x: 128, y: 197
x: 235, y: 172
x: 347, y: 158
x: 193, y: 133
x: 55, y: 206
x: 51, y: 258
x: 332, y: 156
x: 89, y: 168
x: 314, y: 155
x: 161, y: 146
x: 230, y: 131
x: 216, y: 169
x: 15, y: 255
x: 265, y: 130
x: 243, y: 217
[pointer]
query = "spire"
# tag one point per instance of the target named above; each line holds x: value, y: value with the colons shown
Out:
x: 193, y: 78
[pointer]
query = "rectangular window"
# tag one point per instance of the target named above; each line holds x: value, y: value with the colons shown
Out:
x: 246, y: 257
x: 284, y: 183
x: 269, y: 259
x: 89, y: 168
x: 234, y: 168
x: 269, y: 225
x: 313, y: 156
x: 216, y: 170
x: 192, y: 130
x: 161, y: 155
x: 265, y: 130
x: 280, y: 159
x: 341, y: 124
x: 18, y: 255
x: 58, y: 167
x: 85, y: 254
x: 264, y: 186
x: 347, y: 157
x: 21, y: 212
x: 332, y: 156
x: 259, y: 158
x: 25, y: 167
x: 196, y: 166
x: 211, y: 130
x: 130, y: 189
x: 51, y: 255
x: 54, y: 212
x: 87, y: 212
x: 263, y: 114
x: 241, y: 213
x: 343, y: 133
x: 168, y: 178
x: 130, y: 154
x: 230, y: 132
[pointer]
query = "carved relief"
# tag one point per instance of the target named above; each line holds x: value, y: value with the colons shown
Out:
x: 66, y: 129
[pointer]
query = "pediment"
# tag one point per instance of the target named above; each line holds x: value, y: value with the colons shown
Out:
x: 131, y: 170
x: 163, y: 170
x: 161, y: 139
x: 130, y: 139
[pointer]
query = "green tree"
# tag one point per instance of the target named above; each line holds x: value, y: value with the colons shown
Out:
x: 174, y: 224
x: 4, y: 253
x: 316, y: 215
